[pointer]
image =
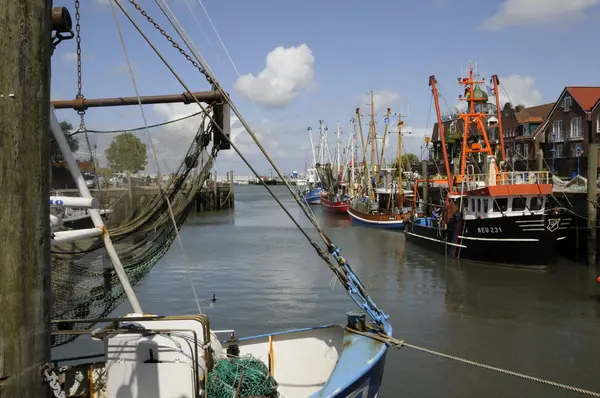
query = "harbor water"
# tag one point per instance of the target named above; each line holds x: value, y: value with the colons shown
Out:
x: 267, y: 277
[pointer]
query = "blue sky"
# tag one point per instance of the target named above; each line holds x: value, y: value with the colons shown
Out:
x: 325, y: 56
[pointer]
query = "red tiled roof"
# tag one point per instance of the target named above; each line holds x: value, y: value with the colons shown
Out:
x: 586, y: 97
x: 534, y: 114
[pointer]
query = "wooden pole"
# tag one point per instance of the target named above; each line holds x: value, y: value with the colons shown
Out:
x: 25, y: 285
x: 426, y: 185
x: 592, y: 174
x: 185, y: 98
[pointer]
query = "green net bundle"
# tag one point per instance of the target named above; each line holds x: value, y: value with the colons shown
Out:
x: 240, y: 377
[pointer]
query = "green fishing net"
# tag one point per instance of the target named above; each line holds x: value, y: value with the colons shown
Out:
x: 240, y: 377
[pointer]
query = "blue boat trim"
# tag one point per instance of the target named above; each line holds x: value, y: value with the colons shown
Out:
x: 313, y: 196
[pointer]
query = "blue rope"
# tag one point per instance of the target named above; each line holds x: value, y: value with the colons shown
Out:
x: 355, y: 289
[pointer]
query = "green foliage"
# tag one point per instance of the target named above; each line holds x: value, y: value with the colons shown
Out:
x: 126, y: 153
x: 55, y: 154
x: 408, y: 160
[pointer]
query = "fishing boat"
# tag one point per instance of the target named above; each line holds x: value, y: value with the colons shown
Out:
x: 313, y: 197
x: 380, y: 206
x: 495, y: 215
x: 336, y: 197
x: 147, y: 355
x: 312, y: 191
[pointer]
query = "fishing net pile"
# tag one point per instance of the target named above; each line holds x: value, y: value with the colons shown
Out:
x: 84, y: 283
x: 240, y: 377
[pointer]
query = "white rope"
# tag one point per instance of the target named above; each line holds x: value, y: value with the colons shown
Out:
x: 171, y: 213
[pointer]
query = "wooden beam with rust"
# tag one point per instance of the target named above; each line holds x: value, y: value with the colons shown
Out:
x: 186, y: 98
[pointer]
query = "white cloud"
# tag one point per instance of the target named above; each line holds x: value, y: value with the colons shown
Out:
x: 287, y: 72
x: 517, y: 12
x: 172, y: 141
x: 518, y: 89
x: 383, y: 99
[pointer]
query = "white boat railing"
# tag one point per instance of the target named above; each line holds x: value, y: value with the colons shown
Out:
x: 475, y: 181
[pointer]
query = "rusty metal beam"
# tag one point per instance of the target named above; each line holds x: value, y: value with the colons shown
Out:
x: 186, y: 98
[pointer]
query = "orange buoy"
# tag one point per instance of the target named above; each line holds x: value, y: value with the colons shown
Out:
x: 598, y: 279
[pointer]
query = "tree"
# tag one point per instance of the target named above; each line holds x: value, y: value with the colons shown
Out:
x: 55, y: 153
x: 126, y: 153
x: 408, y: 160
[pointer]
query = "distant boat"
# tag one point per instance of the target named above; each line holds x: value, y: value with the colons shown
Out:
x: 381, y: 207
x: 313, y: 197
x: 335, y: 202
x: 376, y: 213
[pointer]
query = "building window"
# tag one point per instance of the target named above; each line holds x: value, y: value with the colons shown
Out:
x: 598, y: 123
x: 576, y: 149
x: 576, y: 127
x: 567, y: 104
x: 557, y: 130
x: 557, y: 151
x: 526, y: 150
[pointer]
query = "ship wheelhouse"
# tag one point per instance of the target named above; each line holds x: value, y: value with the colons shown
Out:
x: 477, y: 207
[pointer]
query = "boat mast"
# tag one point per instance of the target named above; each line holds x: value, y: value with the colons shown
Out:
x: 496, y: 82
x: 385, y: 132
x: 373, y: 134
x: 25, y: 285
x: 441, y: 132
x: 362, y: 137
x: 339, y: 141
x: 352, y: 147
x: 473, y: 114
x: 399, y: 157
x: 312, y: 147
x: 372, y: 165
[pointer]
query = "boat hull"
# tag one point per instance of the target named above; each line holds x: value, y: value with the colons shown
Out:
x: 340, y: 207
x: 357, y: 372
x: 527, y: 241
x: 388, y: 221
x: 313, y: 197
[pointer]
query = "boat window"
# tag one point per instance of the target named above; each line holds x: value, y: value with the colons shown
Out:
x: 485, y: 205
x: 518, y: 203
x: 478, y: 205
x: 537, y: 203
x: 500, y: 204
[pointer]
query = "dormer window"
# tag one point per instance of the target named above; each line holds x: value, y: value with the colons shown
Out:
x: 567, y: 104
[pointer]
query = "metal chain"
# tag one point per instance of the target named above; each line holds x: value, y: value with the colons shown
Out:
x: 52, y: 379
x: 78, y: 40
x: 170, y: 39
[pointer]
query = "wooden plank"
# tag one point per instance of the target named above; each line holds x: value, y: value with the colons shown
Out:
x: 25, y: 31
